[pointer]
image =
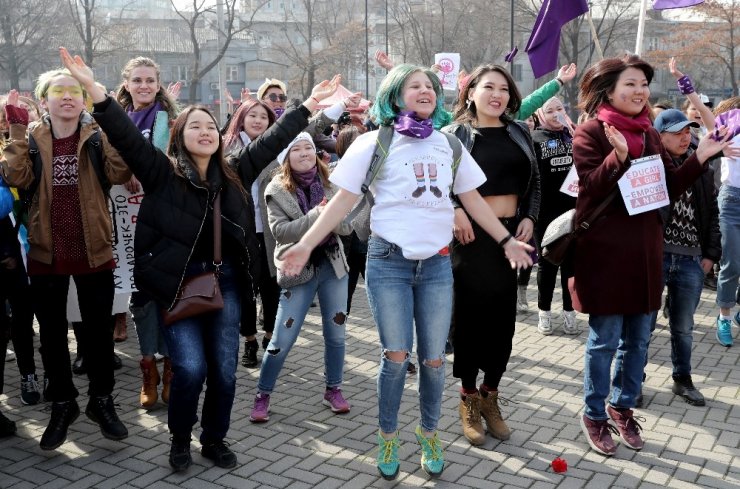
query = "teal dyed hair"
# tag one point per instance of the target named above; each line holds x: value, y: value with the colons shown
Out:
x: 390, y: 95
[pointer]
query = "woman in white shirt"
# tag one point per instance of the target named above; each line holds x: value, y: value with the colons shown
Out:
x: 409, y: 276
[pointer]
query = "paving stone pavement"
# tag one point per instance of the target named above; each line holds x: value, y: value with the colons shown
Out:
x: 305, y: 445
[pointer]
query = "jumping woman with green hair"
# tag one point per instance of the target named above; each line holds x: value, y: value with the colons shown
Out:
x: 408, y: 275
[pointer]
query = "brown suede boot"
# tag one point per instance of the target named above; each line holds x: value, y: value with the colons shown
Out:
x: 470, y: 412
x: 166, y: 380
x: 150, y: 375
x: 492, y: 414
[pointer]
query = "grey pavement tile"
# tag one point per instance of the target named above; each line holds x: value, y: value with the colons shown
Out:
x: 305, y: 445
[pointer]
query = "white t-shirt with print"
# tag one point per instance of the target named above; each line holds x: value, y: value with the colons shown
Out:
x: 412, y: 190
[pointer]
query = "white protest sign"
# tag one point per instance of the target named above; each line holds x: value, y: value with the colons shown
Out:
x: 449, y: 64
x: 570, y: 184
x: 124, y: 211
x: 643, y: 186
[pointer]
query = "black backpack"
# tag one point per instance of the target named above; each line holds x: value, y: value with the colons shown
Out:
x: 94, y: 146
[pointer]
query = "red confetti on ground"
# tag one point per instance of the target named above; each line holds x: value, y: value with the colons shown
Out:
x: 559, y: 465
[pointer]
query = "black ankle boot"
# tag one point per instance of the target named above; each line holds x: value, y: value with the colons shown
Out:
x: 180, y: 458
x: 684, y: 387
x: 249, y: 359
x: 100, y: 409
x: 62, y: 415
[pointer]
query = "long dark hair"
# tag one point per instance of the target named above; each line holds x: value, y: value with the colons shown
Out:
x: 177, y: 150
x: 468, y: 113
x: 599, y: 80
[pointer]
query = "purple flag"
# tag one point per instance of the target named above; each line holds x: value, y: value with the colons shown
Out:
x: 666, y: 4
x: 544, y: 43
x: 512, y: 54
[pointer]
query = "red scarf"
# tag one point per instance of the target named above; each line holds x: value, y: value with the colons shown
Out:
x: 632, y: 128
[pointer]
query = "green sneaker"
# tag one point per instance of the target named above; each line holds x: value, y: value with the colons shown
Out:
x: 432, y: 456
x: 388, y: 464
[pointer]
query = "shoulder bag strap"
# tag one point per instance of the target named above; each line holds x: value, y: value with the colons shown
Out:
x: 595, y: 213
x: 217, y: 230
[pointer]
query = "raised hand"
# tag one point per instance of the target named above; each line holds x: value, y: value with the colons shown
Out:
x: 617, y: 140
x: 174, y: 89
x: 674, y: 71
x: 245, y: 95
x: 567, y: 72
x: 353, y: 100
x: 77, y: 68
x: 717, y: 141
x: 326, y: 88
x: 13, y: 98
x: 382, y: 58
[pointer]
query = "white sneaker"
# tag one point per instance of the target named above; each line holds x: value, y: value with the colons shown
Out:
x: 9, y: 355
x: 569, y: 323
x: 544, y: 325
x: 521, y: 299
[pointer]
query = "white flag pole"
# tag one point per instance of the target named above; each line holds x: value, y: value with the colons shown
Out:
x: 641, y: 27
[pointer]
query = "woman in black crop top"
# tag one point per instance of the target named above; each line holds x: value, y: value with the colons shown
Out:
x: 485, y: 287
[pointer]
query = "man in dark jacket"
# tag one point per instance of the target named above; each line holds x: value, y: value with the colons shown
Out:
x: 691, y: 247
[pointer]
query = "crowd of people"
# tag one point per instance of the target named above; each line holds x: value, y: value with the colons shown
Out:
x: 443, y: 212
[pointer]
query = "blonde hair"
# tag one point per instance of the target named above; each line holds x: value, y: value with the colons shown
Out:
x: 123, y: 96
x: 44, y: 81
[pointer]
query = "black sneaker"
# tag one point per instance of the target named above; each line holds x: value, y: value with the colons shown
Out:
x: 62, y: 415
x: 249, y: 359
x: 180, y: 458
x: 30, y: 393
x: 684, y: 387
x: 7, y: 427
x: 220, y: 453
x: 101, y: 410
x: 265, y: 342
x: 78, y: 366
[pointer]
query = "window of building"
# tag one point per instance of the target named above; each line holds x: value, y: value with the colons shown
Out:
x: 232, y: 73
x: 181, y: 73
x: 516, y: 72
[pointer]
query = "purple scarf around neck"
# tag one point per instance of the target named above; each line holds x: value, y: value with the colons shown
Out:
x: 309, y: 182
x: 144, y: 118
x: 409, y: 124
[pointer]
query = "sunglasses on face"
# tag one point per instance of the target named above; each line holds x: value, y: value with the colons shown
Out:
x: 57, y: 91
x: 275, y: 97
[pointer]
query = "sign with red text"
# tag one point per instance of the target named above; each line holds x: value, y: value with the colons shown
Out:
x: 570, y: 185
x: 643, y: 186
x: 449, y: 67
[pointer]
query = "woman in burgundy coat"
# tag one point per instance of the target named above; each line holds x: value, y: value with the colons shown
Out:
x: 618, y: 260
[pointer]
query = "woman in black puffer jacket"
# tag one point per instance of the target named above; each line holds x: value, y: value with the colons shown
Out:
x: 174, y: 240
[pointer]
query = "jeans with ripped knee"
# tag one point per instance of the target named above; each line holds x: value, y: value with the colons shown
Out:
x: 401, y: 293
x: 292, y: 309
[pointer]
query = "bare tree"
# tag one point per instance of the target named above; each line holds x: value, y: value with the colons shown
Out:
x: 22, y: 44
x: 199, y: 17
x: 99, y: 34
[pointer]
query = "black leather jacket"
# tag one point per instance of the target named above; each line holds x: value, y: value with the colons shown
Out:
x: 529, y: 202
x: 707, y: 212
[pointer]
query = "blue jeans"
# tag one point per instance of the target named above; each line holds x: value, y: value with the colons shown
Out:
x: 205, y: 348
x: 684, y: 277
x: 402, y: 292
x: 148, y: 321
x: 627, y: 336
x: 292, y: 309
x: 729, y: 266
